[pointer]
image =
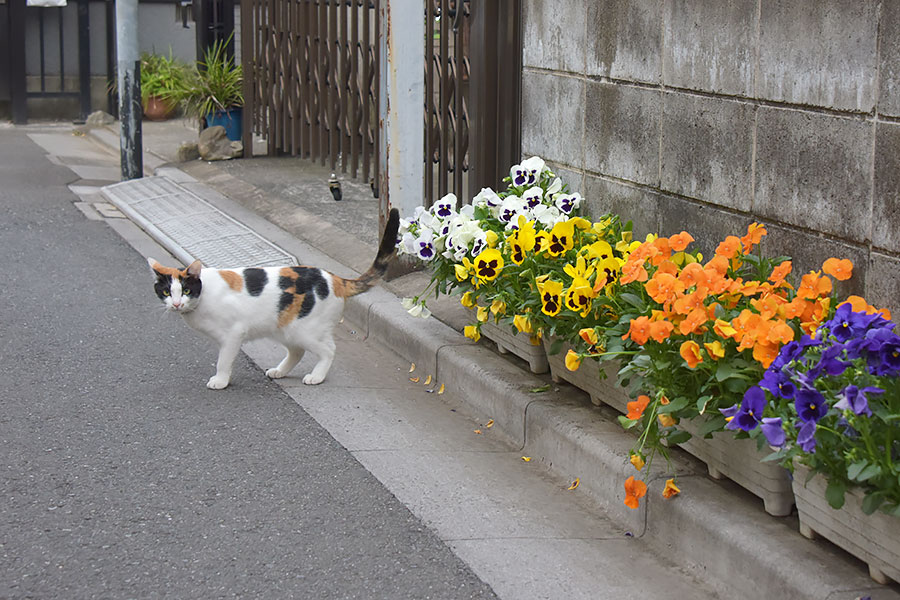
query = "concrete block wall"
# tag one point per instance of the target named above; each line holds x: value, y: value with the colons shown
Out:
x: 707, y: 115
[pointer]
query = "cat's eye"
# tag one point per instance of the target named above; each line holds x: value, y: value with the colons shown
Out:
x: 186, y: 292
x: 165, y: 292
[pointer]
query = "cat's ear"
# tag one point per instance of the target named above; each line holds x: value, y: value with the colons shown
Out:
x: 194, y: 268
x: 155, y: 266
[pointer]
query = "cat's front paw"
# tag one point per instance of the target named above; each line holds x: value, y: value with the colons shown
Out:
x: 274, y: 373
x: 311, y: 379
x: 217, y: 382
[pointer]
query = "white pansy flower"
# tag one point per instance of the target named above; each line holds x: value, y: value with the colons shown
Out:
x: 487, y: 197
x: 511, y: 206
x: 445, y: 207
x: 568, y: 202
x: 532, y: 196
x: 555, y: 186
x: 548, y: 216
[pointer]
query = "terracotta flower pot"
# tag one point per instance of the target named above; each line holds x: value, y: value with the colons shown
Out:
x: 157, y: 109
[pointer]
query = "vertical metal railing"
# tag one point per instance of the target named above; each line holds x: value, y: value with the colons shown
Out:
x: 310, y: 70
x: 472, y: 110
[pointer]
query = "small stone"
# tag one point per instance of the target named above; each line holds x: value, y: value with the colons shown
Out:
x: 215, y: 145
x: 187, y: 151
x: 99, y: 118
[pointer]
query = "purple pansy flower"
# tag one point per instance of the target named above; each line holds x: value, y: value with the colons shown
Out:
x: 810, y: 405
x: 751, y: 410
x: 773, y: 430
x: 806, y: 437
x: 854, y: 398
x: 778, y: 383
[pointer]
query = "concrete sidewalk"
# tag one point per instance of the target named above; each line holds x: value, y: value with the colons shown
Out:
x: 715, y: 530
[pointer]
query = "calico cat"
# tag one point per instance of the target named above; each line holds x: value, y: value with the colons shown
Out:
x: 295, y: 306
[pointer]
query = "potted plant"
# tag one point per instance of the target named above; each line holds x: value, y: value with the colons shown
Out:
x: 161, y: 77
x: 830, y: 404
x: 213, y: 90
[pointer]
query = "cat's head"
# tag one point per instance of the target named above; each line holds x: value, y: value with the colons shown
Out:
x: 179, y: 289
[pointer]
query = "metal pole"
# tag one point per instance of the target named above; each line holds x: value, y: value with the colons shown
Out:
x: 129, y: 80
x: 402, y: 100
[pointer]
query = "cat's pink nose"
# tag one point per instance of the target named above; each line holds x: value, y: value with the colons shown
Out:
x: 176, y: 303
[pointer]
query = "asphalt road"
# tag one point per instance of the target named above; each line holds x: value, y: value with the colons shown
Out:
x: 121, y: 476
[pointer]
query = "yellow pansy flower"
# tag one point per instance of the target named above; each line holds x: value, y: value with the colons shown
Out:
x: 488, y: 264
x: 482, y: 314
x: 573, y: 360
x: 472, y: 332
x: 498, y: 307
x: 522, y: 323
x: 468, y: 299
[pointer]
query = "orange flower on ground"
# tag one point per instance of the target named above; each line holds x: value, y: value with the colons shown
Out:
x: 680, y: 241
x: 637, y: 407
x: 729, y: 247
x: 690, y: 352
x: 754, y: 234
x: 639, y: 331
x: 635, y: 489
x: 660, y: 330
x: 840, y: 269
x: 671, y: 489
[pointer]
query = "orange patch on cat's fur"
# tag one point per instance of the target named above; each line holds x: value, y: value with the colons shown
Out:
x: 234, y: 281
x: 288, y: 272
x: 167, y: 270
x: 293, y: 309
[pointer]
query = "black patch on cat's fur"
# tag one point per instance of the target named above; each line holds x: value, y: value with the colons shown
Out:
x: 255, y: 280
x: 192, y: 285
x: 163, y: 284
x: 308, y: 279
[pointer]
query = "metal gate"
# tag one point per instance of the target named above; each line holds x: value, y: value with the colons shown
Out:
x: 311, y: 81
x: 60, y: 67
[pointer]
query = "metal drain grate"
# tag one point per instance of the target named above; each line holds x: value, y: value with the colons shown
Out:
x: 190, y: 227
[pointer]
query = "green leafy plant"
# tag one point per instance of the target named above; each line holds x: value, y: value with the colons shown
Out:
x: 161, y: 75
x: 214, y: 85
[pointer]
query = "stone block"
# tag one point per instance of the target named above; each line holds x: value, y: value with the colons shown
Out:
x: 709, y: 45
x: 622, y: 125
x: 883, y: 283
x: 554, y: 35
x: 569, y: 177
x: 814, y: 171
x: 707, y: 149
x: 552, y: 117
x: 819, y: 53
x: 635, y: 204
x: 889, y: 59
x: 886, y: 202
x: 623, y: 40
x: 708, y: 225
x: 809, y: 250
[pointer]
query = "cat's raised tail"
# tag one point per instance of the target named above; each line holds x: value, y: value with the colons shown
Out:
x: 345, y: 288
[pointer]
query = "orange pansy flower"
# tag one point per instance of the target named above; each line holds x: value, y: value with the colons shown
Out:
x: 696, y: 319
x: 693, y: 274
x: 635, y: 489
x: 667, y: 266
x: 765, y: 353
x: 680, y: 241
x: 660, y: 330
x: 780, y: 272
x: 633, y: 270
x: 685, y: 304
x: 639, y: 331
x: 666, y: 420
x: 663, y: 288
x: 840, y: 269
x: 671, y: 489
x: 755, y: 231
x: 813, y: 285
x: 729, y: 247
x: 690, y: 352
x: 637, y: 407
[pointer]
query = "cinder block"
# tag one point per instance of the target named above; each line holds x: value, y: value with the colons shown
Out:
x: 809, y: 250
x: 622, y: 125
x: 635, y: 204
x: 883, y: 283
x: 552, y: 117
x: 820, y: 53
x: 814, y: 171
x: 709, y: 45
x: 708, y: 225
x: 624, y: 39
x: 554, y: 35
x: 889, y: 59
x: 886, y: 203
x: 707, y: 149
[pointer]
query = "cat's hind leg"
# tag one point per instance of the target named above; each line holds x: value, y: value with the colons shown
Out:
x: 293, y: 356
x: 323, y: 349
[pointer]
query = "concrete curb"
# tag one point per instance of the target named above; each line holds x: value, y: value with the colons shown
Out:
x: 717, y: 530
